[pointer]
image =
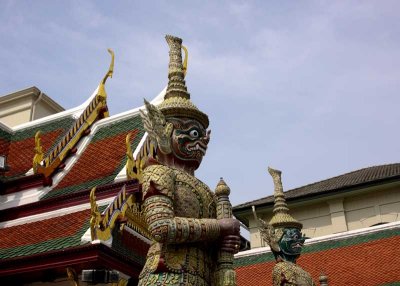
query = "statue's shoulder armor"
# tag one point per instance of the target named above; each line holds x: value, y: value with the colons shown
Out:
x: 161, y: 177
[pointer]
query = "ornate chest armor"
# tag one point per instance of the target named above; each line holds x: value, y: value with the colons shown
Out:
x: 288, y: 273
x: 183, y: 210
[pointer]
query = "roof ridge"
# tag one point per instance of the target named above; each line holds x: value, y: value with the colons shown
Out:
x: 4, y: 127
x: 74, y: 111
x: 318, y: 182
x: 342, y: 175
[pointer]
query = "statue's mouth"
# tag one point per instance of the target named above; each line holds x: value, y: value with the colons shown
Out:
x: 197, y: 146
x: 297, y: 245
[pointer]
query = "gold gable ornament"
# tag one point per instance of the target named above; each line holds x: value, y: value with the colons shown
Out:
x: 123, y: 206
x: 38, y: 158
x: 135, y: 166
x: 97, y: 108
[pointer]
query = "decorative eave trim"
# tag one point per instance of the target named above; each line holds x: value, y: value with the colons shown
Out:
x: 126, y: 207
x: 86, y: 255
x: 24, y: 183
x: 17, y: 214
x: 51, y: 214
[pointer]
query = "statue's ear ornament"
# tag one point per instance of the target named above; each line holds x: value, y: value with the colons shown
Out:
x: 157, y: 127
x: 269, y: 235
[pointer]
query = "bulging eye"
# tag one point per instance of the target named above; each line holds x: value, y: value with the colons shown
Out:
x: 194, y: 133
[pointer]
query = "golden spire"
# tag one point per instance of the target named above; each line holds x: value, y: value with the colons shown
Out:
x: 281, y: 217
x: 176, y: 75
x: 177, y: 99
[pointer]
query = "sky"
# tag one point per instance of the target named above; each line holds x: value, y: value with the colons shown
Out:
x: 307, y: 87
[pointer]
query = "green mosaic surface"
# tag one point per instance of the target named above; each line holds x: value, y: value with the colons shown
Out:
x: 63, y: 123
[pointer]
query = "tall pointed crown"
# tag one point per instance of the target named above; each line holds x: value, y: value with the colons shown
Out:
x: 177, y: 99
x: 281, y: 217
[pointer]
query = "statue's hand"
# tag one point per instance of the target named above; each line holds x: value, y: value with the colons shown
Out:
x: 229, y: 226
x: 231, y: 243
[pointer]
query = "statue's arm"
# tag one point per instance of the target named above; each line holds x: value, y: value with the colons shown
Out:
x: 276, y: 276
x: 164, y: 226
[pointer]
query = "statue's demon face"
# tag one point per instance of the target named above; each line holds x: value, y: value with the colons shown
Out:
x: 291, y: 242
x: 189, y: 141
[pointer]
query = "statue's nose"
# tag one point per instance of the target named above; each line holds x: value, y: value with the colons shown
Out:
x: 208, y: 133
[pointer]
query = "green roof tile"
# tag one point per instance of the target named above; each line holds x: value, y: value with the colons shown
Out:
x: 29, y: 132
x: 118, y: 127
x: 44, y: 246
x: 5, y: 135
x: 83, y: 186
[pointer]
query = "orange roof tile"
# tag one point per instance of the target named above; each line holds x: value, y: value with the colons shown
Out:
x: 371, y: 263
x: 44, y: 230
x: 100, y: 159
x: 20, y: 153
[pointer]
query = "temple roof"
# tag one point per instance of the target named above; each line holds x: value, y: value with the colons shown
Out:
x: 106, y: 151
x: 18, y: 146
x: 355, y: 179
x: 50, y: 213
x: 54, y: 233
